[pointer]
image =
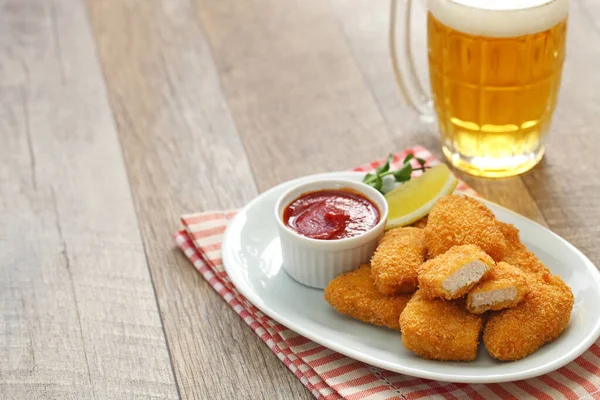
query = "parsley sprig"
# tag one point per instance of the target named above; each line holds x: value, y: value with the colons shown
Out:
x: 400, y: 175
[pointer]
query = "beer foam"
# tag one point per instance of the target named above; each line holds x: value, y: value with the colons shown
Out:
x: 499, y: 18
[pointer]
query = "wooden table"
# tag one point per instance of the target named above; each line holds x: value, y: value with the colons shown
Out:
x: 119, y: 115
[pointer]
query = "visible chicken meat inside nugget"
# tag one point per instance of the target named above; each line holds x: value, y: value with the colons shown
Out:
x: 517, y: 254
x: 456, y: 220
x: 396, y: 260
x: 541, y: 317
x: 453, y: 273
x: 354, y: 294
x: 504, y: 287
x: 440, y: 330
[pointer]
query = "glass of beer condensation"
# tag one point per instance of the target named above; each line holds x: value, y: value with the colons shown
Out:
x: 494, y: 70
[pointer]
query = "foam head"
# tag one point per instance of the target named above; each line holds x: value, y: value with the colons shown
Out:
x: 499, y: 18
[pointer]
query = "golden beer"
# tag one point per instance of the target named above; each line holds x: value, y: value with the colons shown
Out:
x: 495, y: 83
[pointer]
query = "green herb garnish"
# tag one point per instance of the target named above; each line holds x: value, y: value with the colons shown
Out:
x: 400, y: 175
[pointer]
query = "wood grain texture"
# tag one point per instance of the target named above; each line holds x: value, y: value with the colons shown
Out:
x: 78, y: 316
x: 183, y: 154
x: 299, y: 100
x: 366, y: 25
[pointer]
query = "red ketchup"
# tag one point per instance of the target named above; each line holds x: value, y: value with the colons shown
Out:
x: 331, y: 214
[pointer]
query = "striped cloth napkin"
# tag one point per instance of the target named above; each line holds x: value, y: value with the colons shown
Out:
x: 331, y: 375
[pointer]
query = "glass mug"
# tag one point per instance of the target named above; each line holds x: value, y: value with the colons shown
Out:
x: 494, y: 71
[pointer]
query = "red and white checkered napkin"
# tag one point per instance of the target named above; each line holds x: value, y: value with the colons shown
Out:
x: 331, y: 375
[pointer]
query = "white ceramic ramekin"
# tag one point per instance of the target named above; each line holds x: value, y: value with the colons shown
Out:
x: 315, y: 262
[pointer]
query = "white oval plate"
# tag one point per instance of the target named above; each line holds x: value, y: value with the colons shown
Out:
x: 252, y: 258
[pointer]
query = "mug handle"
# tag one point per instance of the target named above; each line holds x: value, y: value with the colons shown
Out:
x: 405, y: 71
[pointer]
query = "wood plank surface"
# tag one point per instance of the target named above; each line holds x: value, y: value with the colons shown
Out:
x: 183, y: 154
x: 299, y: 100
x: 78, y: 316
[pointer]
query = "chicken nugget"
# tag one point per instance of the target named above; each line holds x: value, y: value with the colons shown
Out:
x: 541, y: 317
x: 517, y: 253
x: 504, y: 287
x: 453, y: 273
x: 396, y: 260
x: 456, y: 220
x: 354, y: 294
x: 421, y: 223
x: 440, y: 330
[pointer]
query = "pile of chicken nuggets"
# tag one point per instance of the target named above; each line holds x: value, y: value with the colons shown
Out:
x: 451, y: 276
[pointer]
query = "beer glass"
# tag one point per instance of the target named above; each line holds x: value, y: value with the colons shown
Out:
x: 494, y: 71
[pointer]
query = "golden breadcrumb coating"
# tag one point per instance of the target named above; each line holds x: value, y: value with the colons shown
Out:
x: 440, y: 330
x: 511, y: 234
x: 456, y: 220
x: 434, y: 272
x: 517, y: 254
x: 354, y: 294
x: 421, y: 223
x: 501, y: 278
x: 541, y: 317
x: 396, y: 260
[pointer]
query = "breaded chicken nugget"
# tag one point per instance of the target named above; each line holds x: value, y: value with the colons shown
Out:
x: 453, y: 273
x: 541, y: 317
x: 421, y: 223
x: 456, y: 220
x: 504, y: 287
x: 354, y: 294
x: 440, y: 330
x: 517, y: 254
x: 396, y: 260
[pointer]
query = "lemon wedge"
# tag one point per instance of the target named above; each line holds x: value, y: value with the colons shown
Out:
x: 413, y: 200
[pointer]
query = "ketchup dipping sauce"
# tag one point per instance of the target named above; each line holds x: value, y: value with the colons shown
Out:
x: 331, y: 214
